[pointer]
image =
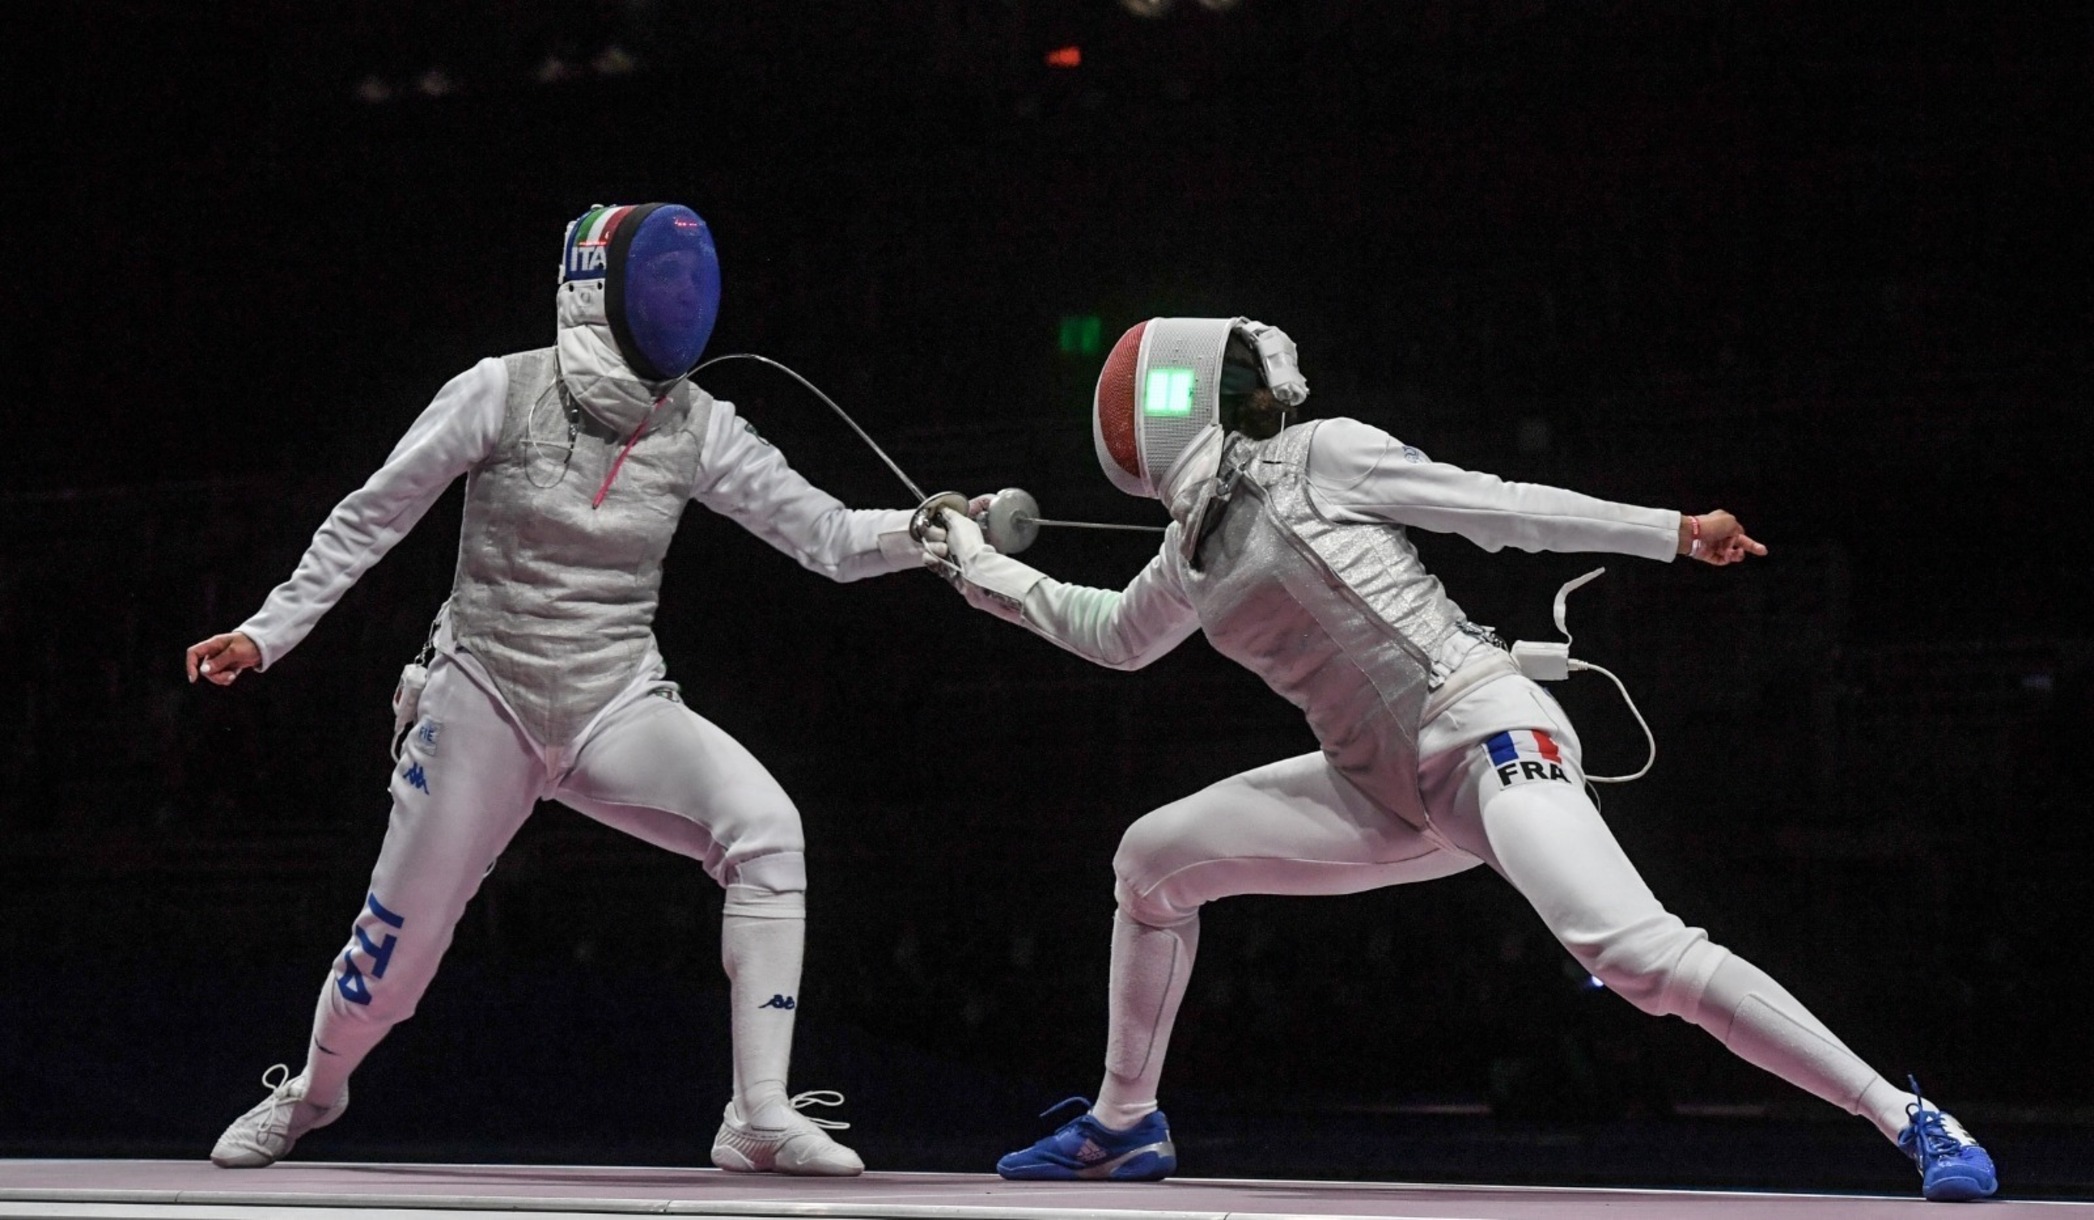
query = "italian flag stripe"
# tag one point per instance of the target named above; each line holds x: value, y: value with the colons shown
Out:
x: 581, y: 227
x: 597, y: 227
x: 610, y: 224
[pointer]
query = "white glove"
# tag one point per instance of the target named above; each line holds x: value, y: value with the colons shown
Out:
x: 949, y: 542
x: 954, y: 548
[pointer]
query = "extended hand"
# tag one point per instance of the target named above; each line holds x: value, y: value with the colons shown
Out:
x: 949, y: 542
x: 221, y: 658
x: 1716, y: 538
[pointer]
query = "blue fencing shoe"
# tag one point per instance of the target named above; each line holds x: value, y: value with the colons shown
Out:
x: 1953, y: 1167
x: 1086, y: 1149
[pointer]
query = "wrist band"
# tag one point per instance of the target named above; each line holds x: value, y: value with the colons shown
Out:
x: 1694, y: 523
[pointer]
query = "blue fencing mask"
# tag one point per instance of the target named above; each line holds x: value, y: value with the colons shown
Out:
x: 661, y: 282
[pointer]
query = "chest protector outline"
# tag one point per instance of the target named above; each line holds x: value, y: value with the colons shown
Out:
x: 1341, y: 619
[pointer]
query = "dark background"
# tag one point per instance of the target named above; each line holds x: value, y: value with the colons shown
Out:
x: 1827, y: 270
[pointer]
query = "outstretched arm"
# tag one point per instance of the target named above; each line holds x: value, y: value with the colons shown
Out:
x: 458, y: 429
x: 1358, y: 472
x: 1120, y: 630
x: 747, y: 478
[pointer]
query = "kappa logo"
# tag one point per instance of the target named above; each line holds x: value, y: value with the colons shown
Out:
x: 416, y: 776
x: 751, y: 430
x: 1414, y: 455
x: 1543, y: 757
x: 785, y: 1002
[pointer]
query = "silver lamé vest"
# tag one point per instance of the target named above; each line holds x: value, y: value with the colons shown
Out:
x: 1340, y: 619
x: 556, y: 598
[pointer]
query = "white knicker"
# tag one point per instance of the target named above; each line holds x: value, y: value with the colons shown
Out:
x: 1497, y: 791
x: 1502, y: 786
x: 469, y: 776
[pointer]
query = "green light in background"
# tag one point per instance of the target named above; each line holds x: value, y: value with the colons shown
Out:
x: 1080, y: 334
x: 1169, y: 392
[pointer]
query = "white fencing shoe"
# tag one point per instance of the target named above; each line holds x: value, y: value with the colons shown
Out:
x: 264, y: 1135
x: 798, y: 1145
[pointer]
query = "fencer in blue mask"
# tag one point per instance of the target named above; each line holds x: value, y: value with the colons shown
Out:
x: 639, y: 293
x: 542, y: 680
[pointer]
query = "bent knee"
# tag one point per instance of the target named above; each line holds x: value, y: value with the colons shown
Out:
x: 1658, y: 964
x: 1149, y: 881
x: 1157, y: 907
x: 769, y: 886
x: 1163, y: 894
x: 750, y: 829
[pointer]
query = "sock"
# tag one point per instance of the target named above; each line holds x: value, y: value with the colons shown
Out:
x: 1884, y: 1105
x: 1150, y: 967
x: 762, y: 956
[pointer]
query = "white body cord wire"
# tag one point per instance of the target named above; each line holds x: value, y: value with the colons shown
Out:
x: 1550, y: 662
x: 1648, y: 736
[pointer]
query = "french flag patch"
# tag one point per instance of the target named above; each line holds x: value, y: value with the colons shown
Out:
x: 1521, y: 756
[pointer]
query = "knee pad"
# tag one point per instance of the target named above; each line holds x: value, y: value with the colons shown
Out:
x: 772, y: 886
x: 1660, y: 965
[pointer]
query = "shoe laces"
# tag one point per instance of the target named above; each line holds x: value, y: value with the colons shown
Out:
x: 277, y: 1080
x: 1064, y: 1104
x: 1936, y: 1132
x: 820, y: 1097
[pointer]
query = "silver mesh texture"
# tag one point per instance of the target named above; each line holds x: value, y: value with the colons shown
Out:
x: 1179, y: 343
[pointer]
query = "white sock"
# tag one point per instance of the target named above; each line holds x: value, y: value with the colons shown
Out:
x: 1769, y: 1028
x: 1150, y: 967
x: 1884, y: 1105
x: 762, y: 957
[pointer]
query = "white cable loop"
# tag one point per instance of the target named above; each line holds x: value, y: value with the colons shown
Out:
x: 1641, y: 723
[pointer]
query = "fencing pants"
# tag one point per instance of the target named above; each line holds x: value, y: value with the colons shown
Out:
x: 1503, y: 787
x: 647, y: 765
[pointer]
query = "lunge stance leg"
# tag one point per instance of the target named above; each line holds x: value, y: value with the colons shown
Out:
x: 1293, y: 827
x: 1550, y: 842
x: 658, y: 771
x: 466, y: 780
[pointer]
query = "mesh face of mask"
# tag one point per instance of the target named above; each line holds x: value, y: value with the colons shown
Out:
x: 662, y: 291
x: 659, y: 277
x: 1159, y: 390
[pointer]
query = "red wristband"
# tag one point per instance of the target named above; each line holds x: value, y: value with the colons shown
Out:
x: 1694, y: 523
